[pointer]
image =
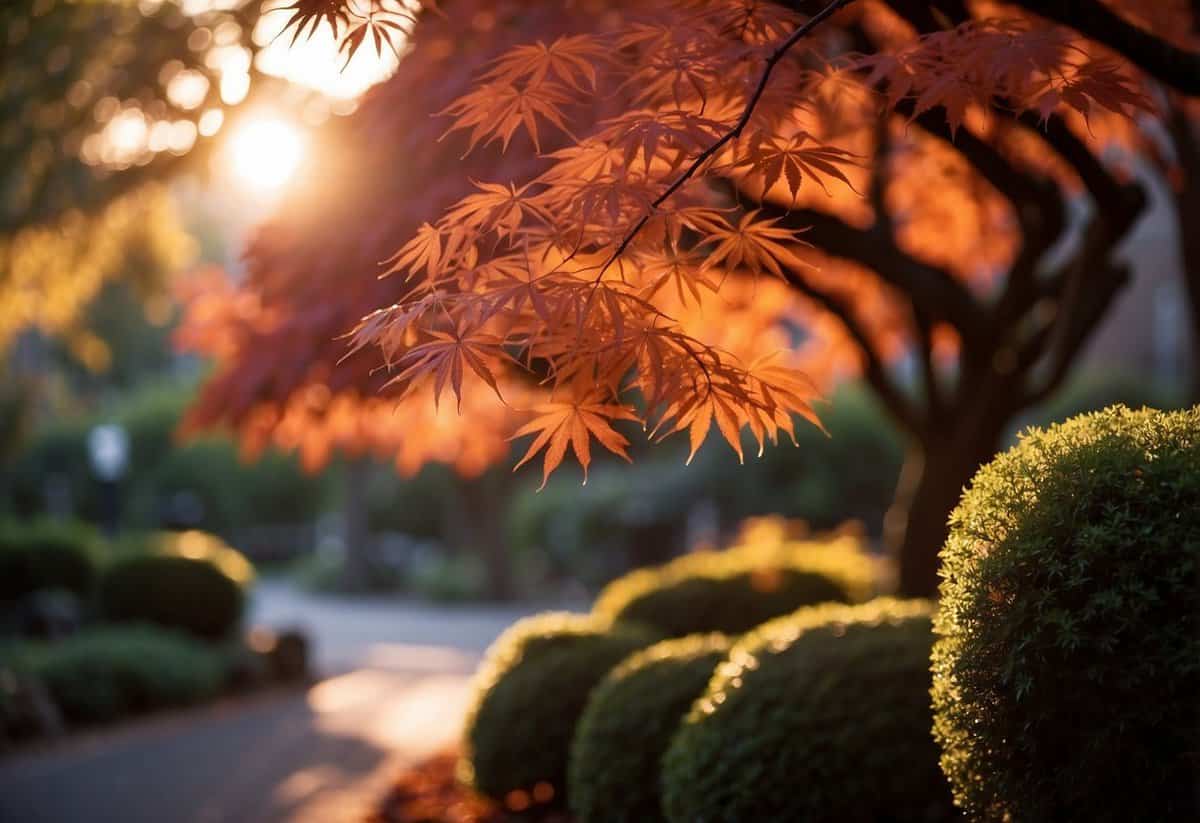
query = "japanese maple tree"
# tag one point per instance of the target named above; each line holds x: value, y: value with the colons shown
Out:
x: 694, y: 215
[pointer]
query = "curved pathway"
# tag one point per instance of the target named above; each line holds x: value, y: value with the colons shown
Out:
x: 397, y: 684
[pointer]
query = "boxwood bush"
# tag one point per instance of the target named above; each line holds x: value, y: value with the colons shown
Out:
x: 734, y: 590
x: 1067, y: 666
x: 43, y: 555
x: 629, y: 720
x: 822, y: 715
x: 530, y: 691
x: 105, y: 673
x: 189, y: 581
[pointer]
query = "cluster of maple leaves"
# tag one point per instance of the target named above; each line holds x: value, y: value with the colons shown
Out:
x: 585, y: 294
x: 578, y: 275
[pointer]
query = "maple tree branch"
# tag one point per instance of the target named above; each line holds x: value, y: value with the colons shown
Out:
x: 772, y: 60
x: 880, y: 176
x: 1087, y: 307
x: 874, y: 370
x: 1186, y: 143
x: 1108, y: 192
x: 938, y: 293
x: 885, y: 228
x: 1162, y: 60
x: 1022, y: 189
x: 929, y: 375
x: 1086, y: 288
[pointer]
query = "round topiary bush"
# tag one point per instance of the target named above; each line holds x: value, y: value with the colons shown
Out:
x: 629, y: 720
x: 530, y: 691
x: 42, y: 555
x: 822, y: 715
x: 733, y: 591
x: 197, y: 590
x: 1067, y: 665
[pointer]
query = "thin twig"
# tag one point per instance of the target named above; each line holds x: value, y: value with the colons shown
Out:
x: 772, y: 59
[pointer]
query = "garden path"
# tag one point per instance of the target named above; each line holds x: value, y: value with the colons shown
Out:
x: 395, y: 690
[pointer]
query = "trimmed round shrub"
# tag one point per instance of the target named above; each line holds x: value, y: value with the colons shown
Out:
x: 1067, y: 665
x: 44, y: 555
x: 628, y: 723
x: 530, y: 691
x: 822, y: 715
x: 734, y: 590
x: 199, y: 545
x: 103, y: 674
x: 189, y: 584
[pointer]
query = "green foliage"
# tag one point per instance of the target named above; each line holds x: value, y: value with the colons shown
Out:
x: 449, y: 578
x: 530, y: 691
x: 633, y: 512
x: 736, y: 589
x: 233, y: 494
x: 102, y: 674
x: 581, y: 531
x: 191, y: 582
x: 415, y: 506
x: 1067, y: 667
x: 46, y: 555
x: 826, y: 480
x: 628, y: 723
x: 821, y: 715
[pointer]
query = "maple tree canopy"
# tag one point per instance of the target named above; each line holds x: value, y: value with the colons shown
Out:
x: 688, y: 214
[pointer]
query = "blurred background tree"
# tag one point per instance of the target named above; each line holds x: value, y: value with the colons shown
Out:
x: 133, y: 139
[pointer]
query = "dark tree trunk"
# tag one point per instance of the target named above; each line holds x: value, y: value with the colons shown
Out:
x: 484, y: 506
x: 931, y: 482
x: 354, y: 525
x: 1187, y: 218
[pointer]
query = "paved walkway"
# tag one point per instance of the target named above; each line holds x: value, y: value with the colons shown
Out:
x: 397, y: 692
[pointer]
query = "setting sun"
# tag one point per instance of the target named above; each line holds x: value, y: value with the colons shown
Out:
x: 265, y: 153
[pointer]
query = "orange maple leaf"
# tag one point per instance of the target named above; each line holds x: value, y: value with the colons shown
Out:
x: 574, y: 423
x: 756, y: 244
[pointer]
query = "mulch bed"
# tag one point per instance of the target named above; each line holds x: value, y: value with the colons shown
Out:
x: 429, y: 793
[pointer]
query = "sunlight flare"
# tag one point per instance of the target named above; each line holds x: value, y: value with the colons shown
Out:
x: 265, y: 153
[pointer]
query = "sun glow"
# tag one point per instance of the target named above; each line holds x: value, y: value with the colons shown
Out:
x: 315, y: 61
x: 264, y: 153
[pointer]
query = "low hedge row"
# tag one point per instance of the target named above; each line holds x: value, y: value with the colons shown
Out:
x: 819, y: 715
x: 191, y: 581
x: 44, y: 555
x: 1064, y: 676
x: 102, y: 674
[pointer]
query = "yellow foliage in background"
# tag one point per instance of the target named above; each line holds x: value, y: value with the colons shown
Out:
x: 49, y: 273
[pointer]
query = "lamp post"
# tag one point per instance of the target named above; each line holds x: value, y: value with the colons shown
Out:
x: 108, y: 449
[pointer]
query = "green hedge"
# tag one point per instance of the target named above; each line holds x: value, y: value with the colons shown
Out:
x: 734, y: 590
x: 629, y: 721
x: 190, y: 581
x: 43, y: 555
x: 530, y: 691
x: 1067, y: 670
x: 822, y: 715
x: 105, y: 673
